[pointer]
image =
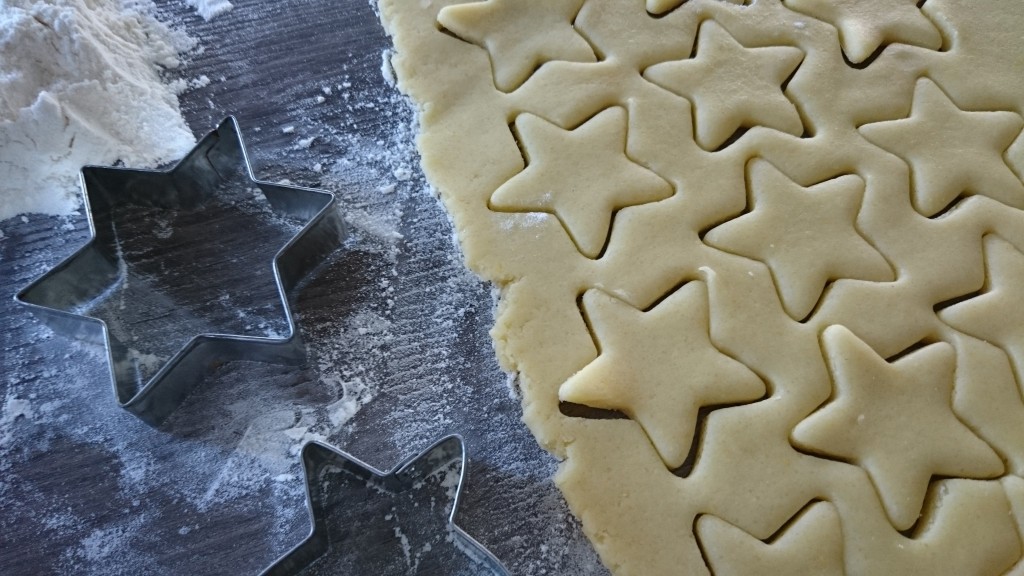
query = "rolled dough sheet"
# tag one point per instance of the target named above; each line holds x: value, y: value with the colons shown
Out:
x: 760, y: 266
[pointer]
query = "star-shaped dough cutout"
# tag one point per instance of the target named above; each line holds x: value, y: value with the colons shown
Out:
x: 659, y: 367
x: 995, y: 316
x: 731, y: 86
x: 420, y: 500
x: 581, y: 175
x: 950, y: 151
x: 895, y: 421
x: 811, y: 544
x: 519, y: 36
x: 865, y: 25
x: 806, y: 236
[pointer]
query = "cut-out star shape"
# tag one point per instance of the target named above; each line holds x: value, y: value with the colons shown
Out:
x: 519, y: 36
x: 811, y: 544
x: 951, y: 151
x: 209, y: 170
x: 995, y: 316
x: 731, y: 86
x: 659, y: 367
x: 806, y: 236
x: 581, y: 175
x: 419, y: 526
x: 895, y: 421
x: 866, y: 25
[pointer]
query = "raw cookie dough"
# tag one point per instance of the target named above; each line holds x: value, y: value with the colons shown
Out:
x: 760, y: 266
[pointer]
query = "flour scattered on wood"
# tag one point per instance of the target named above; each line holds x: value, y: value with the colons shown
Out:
x: 13, y: 409
x: 210, y: 9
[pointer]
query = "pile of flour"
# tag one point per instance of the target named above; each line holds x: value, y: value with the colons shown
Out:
x: 80, y: 84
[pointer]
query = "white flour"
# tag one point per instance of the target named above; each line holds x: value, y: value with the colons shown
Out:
x: 80, y: 84
x: 210, y: 9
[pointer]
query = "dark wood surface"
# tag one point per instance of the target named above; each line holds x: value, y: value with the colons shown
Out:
x: 85, y: 488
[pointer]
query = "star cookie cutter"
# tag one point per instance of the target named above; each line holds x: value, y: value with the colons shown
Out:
x: 60, y: 294
x: 317, y: 456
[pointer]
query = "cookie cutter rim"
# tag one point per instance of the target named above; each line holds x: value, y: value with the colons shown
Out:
x: 314, y: 455
x: 81, y: 278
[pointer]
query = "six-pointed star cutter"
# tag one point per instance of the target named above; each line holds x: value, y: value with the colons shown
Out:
x: 85, y: 275
x: 317, y: 457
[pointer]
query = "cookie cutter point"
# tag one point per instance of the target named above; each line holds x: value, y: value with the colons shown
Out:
x: 316, y: 455
x: 60, y: 295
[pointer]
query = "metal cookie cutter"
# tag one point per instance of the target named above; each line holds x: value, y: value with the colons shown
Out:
x: 93, y: 270
x: 317, y: 457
